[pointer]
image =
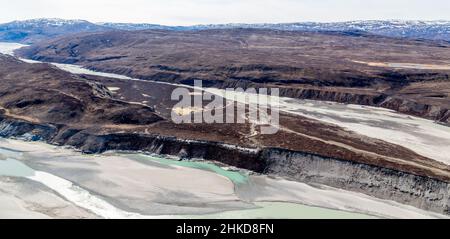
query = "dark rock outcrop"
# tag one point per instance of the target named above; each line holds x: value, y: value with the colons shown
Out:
x: 419, y: 191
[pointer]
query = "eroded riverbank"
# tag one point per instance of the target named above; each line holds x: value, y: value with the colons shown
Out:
x: 360, y: 176
x: 422, y: 136
x: 117, y: 185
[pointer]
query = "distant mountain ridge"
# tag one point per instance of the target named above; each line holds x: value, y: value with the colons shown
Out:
x: 30, y: 31
x: 34, y: 30
x: 432, y: 30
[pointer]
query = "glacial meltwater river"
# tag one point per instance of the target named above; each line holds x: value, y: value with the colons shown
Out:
x: 133, y: 185
x: 422, y: 136
x: 13, y: 164
x: 123, y: 185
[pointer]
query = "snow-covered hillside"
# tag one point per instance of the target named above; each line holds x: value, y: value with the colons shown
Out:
x: 30, y: 31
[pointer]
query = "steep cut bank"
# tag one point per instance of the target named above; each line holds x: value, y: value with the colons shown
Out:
x: 418, y: 191
x: 41, y: 102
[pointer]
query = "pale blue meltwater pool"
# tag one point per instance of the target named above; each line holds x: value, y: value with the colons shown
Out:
x: 12, y: 166
x: 264, y: 209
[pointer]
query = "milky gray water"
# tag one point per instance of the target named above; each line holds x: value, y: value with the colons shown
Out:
x: 422, y: 136
x: 12, y: 165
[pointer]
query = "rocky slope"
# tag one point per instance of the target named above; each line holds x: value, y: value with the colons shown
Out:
x: 409, y: 76
x: 31, y: 92
x: 40, y: 102
x: 411, y: 189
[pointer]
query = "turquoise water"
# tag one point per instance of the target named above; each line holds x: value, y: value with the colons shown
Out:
x: 264, y: 210
x: 11, y: 167
x: 285, y: 210
x: 235, y: 177
x: 14, y: 168
x: 8, y: 153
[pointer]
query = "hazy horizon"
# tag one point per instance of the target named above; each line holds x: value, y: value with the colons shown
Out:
x: 195, y: 12
x: 224, y: 23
